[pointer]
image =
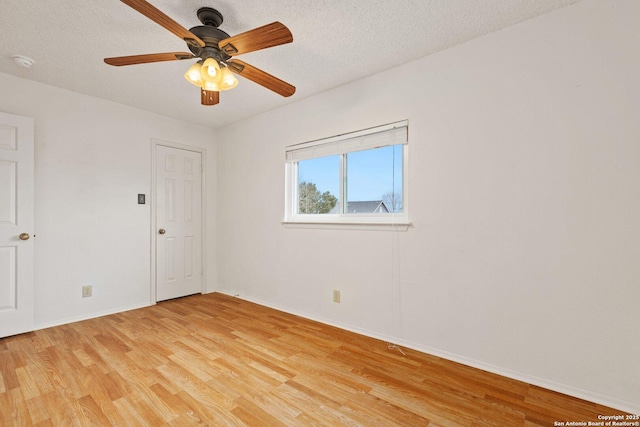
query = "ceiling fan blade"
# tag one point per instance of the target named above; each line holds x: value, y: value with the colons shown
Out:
x: 209, y: 97
x: 270, y: 35
x: 262, y: 78
x: 143, y: 59
x: 157, y: 16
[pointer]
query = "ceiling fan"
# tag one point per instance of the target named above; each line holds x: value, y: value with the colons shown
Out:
x: 215, y: 49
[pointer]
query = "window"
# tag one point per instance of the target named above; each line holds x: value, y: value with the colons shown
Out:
x: 358, y: 177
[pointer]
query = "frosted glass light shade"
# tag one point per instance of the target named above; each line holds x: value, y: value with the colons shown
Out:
x: 228, y: 80
x: 193, y: 75
x: 210, y: 70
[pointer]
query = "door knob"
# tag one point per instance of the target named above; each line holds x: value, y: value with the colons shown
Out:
x: 24, y: 236
x: 161, y: 231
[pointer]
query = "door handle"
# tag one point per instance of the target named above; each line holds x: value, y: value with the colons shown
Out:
x: 161, y: 231
x: 24, y: 236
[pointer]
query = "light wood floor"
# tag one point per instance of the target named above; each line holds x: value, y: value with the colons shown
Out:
x: 215, y: 360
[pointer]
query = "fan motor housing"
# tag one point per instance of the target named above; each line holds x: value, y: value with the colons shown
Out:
x: 209, y: 33
x: 210, y: 36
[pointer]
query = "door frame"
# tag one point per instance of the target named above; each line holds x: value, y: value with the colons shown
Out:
x: 152, y: 203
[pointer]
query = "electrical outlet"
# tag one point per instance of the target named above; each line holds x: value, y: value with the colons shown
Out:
x: 336, y: 296
x: 87, y: 291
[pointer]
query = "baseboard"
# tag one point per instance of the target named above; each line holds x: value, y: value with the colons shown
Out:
x: 590, y: 396
x: 73, y: 319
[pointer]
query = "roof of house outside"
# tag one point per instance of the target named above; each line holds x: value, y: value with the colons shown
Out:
x: 365, y: 206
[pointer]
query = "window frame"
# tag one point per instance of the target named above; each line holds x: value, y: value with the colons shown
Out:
x: 332, y: 144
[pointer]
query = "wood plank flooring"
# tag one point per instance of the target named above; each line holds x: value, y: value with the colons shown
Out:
x: 216, y: 360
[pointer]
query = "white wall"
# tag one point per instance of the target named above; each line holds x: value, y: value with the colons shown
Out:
x: 524, y: 253
x: 92, y: 158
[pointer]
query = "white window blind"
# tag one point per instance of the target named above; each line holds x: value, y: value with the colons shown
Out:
x: 380, y: 136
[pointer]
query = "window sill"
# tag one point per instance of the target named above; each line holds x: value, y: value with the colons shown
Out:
x: 349, y: 225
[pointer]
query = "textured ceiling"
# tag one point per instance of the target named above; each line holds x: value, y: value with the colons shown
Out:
x: 335, y: 42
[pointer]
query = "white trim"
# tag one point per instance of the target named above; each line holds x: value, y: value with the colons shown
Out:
x: 405, y: 180
x: 623, y: 405
x: 373, y: 226
x: 154, y: 226
x: 152, y: 200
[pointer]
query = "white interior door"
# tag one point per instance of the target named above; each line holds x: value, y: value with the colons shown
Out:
x: 179, y: 222
x: 16, y: 224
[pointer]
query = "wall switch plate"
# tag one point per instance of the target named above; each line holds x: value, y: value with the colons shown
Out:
x: 87, y: 291
x: 336, y: 296
x: 141, y: 199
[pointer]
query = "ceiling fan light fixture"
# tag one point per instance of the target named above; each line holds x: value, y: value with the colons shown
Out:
x: 193, y: 74
x: 210, y: 70
x: 228, y: 80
